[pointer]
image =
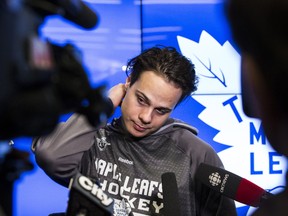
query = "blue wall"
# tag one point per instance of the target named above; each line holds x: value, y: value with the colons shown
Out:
x: 199, y: 31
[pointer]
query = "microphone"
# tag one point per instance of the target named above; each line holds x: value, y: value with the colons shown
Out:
x: 79, y: 13
x: 72, y: 10
x: 170, y: 194
x: 87, y: 199
x: 231, y: 185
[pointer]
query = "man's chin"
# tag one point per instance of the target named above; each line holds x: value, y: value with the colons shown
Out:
x: 137, y: 134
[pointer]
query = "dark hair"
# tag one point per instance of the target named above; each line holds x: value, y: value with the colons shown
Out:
x: 167, y: 62
x: 259, y: 27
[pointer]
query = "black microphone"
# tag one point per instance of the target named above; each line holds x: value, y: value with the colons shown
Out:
x: 170, y: 194
x: 231, y: 185
x: 86, y: 198
x: 72, y: 10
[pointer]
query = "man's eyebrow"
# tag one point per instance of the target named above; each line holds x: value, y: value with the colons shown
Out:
x: 147, y: 100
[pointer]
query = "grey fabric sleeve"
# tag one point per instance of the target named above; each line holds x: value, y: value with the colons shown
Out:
x: 60, y: 152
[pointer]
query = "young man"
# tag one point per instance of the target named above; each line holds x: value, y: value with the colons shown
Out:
x: 129, y: 155
x: 259, y: 28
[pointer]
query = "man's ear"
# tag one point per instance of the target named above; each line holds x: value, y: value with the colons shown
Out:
x: 128, y: 82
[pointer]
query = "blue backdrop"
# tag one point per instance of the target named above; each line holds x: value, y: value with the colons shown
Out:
x: 199, y: 30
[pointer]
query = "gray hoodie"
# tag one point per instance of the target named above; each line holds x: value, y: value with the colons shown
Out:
x: 130, y: 169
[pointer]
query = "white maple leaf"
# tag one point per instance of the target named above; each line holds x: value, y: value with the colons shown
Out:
x: 215, y: 64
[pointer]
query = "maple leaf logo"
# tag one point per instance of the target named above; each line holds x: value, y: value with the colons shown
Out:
x: 248, y: 154
x: 220, y: 76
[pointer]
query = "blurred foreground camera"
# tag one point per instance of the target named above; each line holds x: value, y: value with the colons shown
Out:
x: 41, y: 80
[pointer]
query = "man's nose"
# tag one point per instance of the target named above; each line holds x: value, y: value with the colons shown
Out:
x: 146, y: 115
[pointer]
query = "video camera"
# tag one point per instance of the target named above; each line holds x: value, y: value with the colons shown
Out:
x: 40, y: 80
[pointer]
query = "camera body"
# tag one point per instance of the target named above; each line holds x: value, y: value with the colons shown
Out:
x: 40, y: 80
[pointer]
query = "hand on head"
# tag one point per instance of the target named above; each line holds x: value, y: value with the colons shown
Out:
x: 117, y: 93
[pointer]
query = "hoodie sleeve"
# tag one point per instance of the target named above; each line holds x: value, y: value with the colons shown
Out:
x: 60, y: 152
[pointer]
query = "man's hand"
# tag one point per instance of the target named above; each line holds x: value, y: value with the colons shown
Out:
x: 117, y: 93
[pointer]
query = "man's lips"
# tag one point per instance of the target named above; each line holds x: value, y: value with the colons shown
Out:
x: 138, y: 127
